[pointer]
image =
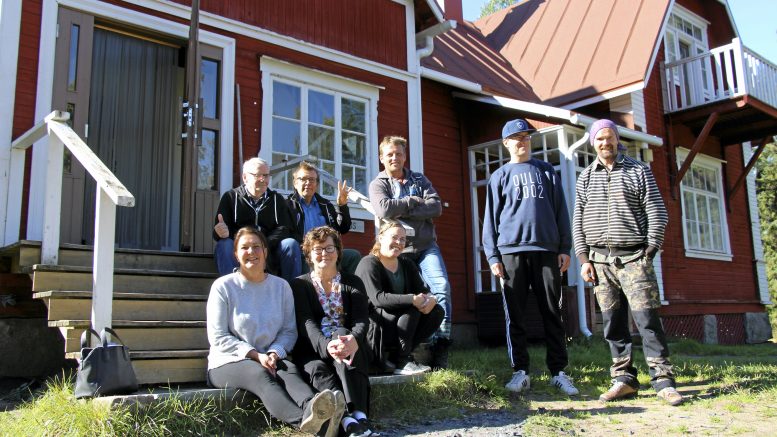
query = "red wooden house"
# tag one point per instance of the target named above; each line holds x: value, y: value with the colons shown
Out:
x: 329, y: 79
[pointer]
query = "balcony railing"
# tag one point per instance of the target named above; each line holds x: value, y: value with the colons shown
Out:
x: 722, y: 73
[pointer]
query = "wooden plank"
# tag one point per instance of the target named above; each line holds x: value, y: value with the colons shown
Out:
x: 125, y: 259
x: 63, y: 294
x: 51, y: 280
x: 129, y: 309
x: 148, y: 339
x: 119, y: 324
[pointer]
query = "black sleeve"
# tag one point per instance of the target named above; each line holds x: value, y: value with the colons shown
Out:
x: 413, y: 280
x: 359, y: 307
x: 285, y: 228
x: 226, y: 209
x: 378, y: 286
x: 308, y: 325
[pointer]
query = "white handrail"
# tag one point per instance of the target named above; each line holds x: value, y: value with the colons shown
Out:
x: 110, y: 193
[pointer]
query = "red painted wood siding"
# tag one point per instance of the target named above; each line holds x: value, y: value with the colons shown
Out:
x: 708, y: 286
x: 372, y: 29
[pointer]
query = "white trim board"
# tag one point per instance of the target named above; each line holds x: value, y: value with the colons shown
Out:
x: 140, y: 20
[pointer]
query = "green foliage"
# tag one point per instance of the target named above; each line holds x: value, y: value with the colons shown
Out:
x: 492, y: 6
x: 767, y: 208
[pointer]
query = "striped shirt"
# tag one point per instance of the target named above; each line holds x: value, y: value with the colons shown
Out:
x: 617, y: 208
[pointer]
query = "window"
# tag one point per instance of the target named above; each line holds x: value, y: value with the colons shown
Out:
x: 312, y: 113
x: 705, y: 231
x: 208, y: 147
x: 686, y: 36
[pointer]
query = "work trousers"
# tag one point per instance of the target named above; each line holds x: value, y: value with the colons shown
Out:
x: 283, y: 395
x: 538, y: 271
x: 632, y: 285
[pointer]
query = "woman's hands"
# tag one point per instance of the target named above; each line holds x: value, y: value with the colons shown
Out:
x: 268, y: 361
x: 424, y: 302
x: 343, y: 347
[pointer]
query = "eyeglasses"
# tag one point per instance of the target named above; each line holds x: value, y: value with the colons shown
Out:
x: 320, y: 250
x: 523, y: 138
x: 401, y: 240
x: 308, y: 180
x: 260, y: 175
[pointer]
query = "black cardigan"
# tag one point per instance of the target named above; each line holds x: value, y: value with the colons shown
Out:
x: 379, y: 288
x: 311, y: 342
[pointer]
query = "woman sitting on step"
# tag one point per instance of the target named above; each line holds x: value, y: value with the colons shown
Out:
x: 403, y: 311
x: 251, y: 328
x: 332, y: 320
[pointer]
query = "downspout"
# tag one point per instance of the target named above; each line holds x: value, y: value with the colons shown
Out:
x: 424, y: 40
x: 581, y: 313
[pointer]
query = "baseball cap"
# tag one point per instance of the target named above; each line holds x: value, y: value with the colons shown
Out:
x: 516, y: 126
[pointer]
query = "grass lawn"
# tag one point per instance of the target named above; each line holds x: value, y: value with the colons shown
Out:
x: 733, y: 386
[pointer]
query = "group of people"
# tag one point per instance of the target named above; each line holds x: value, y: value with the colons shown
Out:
x: 304, y: 342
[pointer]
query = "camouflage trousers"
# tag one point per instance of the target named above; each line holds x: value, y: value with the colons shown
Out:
x: 630, y: 282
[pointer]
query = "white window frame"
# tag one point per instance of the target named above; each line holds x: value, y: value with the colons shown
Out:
x: 709, y: 163
x: 275, y: 70
x: 673, y: 37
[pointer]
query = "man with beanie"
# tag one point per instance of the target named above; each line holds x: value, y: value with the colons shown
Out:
x: 526, y: 238
x: 618, y: 227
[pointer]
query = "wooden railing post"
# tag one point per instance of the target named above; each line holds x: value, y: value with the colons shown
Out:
x: 739, y: 67
x: 52, y: 201
x: 102, y: 272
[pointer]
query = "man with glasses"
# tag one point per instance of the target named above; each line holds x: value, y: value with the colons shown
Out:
x: 311, y: 210
x: 255, y: 204
x: 527, y: 239
x: 399, y: 193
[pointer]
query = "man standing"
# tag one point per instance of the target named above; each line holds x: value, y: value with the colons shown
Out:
x: 618, y: 228
x: 399, y: 193
x: 311, y: 210
x: 526, y: 238
x: 254, y: 204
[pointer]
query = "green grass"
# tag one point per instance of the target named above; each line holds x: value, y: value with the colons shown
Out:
x: 724, y: 377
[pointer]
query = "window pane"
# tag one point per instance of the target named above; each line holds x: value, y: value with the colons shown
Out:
x: 285, y: 136
x: 361, y: 180
x: 705, y: 240
x: 353, y: 149
x: 348, y: 175
x: 693, y: 235
x: 717, y: 238
x: 321, y: 108
x: 209, y: 85
x: 286, y: 100
x: 701, y: 209
x: 72, y: 68
x: 283, y: 180
x: 354, y: 115
x: 690, y: 206
x: 206, y: 161
x: 328, y: 189
x: 321, y: 143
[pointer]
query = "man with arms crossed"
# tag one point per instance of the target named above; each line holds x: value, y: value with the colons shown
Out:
x: 618, y: 227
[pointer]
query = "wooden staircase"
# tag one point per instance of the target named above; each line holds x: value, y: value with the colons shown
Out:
x: 159, y: 304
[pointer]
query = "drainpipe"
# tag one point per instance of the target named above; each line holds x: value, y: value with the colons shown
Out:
x: 581, y: 313
x: 424, y: 40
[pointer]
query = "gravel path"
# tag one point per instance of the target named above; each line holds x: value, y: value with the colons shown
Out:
x: 488, y: 424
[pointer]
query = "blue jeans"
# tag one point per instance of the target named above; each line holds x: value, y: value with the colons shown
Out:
x: 435, y: 275
x: 287, y: 254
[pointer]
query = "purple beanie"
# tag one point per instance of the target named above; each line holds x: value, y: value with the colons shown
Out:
x: 604, y: 124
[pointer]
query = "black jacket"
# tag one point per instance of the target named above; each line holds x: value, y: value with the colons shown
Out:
x: 311, y: 343
x: 273, y: 217
x: 336, y: 216
x: 379, y: 289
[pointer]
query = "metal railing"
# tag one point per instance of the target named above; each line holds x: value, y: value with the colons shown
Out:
x: 110, y: 193
x: 722, y: 73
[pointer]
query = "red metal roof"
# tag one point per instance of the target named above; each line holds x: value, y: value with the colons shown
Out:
x: 464, y: 53
x: 570, y: 50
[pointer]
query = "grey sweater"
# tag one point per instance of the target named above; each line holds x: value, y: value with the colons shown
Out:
x: 243, y: 316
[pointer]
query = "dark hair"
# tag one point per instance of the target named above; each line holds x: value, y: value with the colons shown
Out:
x: 306, y: 166
x: 384, y: 227
x: 319, y: 235
x: 392, y: 140
x: 249, y: 230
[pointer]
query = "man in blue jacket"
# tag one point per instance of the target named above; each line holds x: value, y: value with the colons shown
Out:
x: 527, y: 239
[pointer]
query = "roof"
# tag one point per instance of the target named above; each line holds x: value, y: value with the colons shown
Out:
x: 463, y: 53
x: 569, y: 50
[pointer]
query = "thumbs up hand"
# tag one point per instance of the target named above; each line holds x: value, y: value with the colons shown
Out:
x: 221, y: 228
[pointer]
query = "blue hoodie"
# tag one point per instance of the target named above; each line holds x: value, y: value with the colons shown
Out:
x: 525, y: 211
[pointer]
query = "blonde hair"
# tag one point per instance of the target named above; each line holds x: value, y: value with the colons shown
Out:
x: 392, y: 140
x: 385, y: 226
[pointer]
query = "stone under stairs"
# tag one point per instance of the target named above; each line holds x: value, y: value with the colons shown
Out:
x: 159, y: 301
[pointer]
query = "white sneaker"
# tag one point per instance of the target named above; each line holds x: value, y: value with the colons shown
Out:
x: 564, y: 384
x: 519, y: 382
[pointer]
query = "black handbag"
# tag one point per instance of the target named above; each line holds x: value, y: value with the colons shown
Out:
x: 105, y: 369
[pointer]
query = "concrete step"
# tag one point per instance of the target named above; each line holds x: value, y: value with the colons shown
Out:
x: 149, y: 337
x: 27, y: 253
x: 77, y: 305
x: 63, y: 277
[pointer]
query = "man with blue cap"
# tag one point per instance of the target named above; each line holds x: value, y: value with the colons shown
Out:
x: 527, y: 239
x: 618, y: 228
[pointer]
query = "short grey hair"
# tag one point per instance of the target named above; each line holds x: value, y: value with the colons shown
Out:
x: 254, y: 162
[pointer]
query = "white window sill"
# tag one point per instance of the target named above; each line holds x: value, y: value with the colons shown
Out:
x: 708, y: 255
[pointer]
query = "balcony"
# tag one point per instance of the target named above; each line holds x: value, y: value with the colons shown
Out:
x: 731, y: 80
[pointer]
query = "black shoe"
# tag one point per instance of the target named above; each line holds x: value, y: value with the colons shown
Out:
x: 368, y: 426
x: 357, y: 429
x: 387, y: 367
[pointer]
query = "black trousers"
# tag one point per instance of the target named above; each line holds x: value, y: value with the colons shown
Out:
x: 403, y: 330
x: 538, y: 270
x: 352, y: 379
x: 284, y: 395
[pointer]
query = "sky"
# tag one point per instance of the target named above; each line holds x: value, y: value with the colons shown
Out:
x: 756, y: 21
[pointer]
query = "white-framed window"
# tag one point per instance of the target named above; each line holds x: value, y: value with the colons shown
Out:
x: 705, y: 228
x: 307, y: 112
x: 685, y: 37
